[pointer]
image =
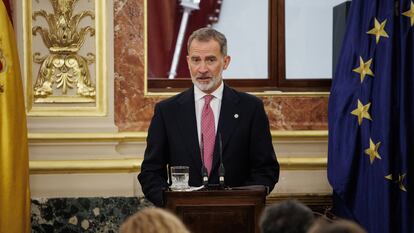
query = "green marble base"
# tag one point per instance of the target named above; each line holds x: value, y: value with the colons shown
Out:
x: 95, y: 214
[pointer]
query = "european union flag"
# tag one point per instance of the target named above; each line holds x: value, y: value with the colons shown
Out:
x: 371, y: 118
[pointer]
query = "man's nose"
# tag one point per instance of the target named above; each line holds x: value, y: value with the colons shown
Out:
x: 203, y: 67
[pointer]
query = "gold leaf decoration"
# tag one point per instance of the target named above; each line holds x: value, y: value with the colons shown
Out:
x: 63, y: 68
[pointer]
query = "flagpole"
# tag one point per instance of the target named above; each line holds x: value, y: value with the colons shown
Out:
x: 189, y: 6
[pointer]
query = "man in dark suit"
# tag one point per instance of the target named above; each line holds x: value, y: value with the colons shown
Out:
x: 210, y: 108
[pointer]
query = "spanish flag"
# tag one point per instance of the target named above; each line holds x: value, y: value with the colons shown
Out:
x: 14, y: 164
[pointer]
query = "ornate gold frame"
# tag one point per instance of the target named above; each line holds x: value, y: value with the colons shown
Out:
x: 76, y: 106
x: 280, y: 135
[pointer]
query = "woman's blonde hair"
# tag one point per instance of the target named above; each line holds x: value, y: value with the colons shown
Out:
x: 153, y: 220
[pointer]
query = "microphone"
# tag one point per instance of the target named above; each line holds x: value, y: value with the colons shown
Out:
x: 204, y: 172
x: 221, y: 168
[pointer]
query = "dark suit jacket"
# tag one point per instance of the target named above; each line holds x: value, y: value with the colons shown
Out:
x: 248, y: 155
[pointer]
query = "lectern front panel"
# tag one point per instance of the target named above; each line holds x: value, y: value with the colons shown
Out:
x: 218, y: 211
x: 216, y: 219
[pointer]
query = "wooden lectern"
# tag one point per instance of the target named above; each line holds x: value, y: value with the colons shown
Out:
x: 216, y: 211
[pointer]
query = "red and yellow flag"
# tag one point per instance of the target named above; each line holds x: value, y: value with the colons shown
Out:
x: 14, y: 164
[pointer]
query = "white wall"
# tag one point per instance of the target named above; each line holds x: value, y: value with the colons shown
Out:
x: 244, y: 22
x: 309, y: 38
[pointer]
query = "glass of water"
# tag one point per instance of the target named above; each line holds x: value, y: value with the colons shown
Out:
x: 179, y: 178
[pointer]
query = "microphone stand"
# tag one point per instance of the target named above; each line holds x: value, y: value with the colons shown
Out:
x: 204, y: 172
x: 169, y: 175
x: 221, y: 168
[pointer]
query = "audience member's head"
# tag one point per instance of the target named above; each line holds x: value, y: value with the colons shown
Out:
x: 338, y: 226
x: 286, y: 217
x: 153, y: 220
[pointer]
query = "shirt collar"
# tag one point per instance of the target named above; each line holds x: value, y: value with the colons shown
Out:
x: 218, y: 93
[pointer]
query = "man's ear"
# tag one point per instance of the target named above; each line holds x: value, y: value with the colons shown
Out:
x: 227, y: 60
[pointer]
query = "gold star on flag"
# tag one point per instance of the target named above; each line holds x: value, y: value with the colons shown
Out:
x: 400, y: 182
x: 410, y: 13
x: 364, y: 68
x: 372, y: 151
x: 362, y: 112
x: 378, y: 30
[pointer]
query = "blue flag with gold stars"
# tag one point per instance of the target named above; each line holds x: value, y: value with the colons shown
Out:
x: 371, y: 118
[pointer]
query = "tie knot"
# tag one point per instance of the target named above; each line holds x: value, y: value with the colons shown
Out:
x: 207, y: 99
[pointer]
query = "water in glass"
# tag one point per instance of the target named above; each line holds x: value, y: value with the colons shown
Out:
x: 179, y: 178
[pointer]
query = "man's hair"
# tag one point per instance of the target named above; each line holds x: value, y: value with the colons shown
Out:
x: 206, y: 34
x: 152, y: 220
x: 286, y: 217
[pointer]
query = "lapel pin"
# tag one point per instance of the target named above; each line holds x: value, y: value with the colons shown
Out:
x: 236, y: 115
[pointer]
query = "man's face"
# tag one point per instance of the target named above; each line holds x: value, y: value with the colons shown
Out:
x: 206, y: 64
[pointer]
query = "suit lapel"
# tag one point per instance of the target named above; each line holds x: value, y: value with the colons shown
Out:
x: 228, y: 120
x: 186, y: 120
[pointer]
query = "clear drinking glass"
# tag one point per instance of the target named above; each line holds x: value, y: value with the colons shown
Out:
x: 179, y: 178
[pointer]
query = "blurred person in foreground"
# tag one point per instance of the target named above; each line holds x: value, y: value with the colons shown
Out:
x: 337, y: 226
x: 153, y: 220
x: 289, y: 216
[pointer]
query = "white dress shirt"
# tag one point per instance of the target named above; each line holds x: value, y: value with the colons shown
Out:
x: 215, y: 105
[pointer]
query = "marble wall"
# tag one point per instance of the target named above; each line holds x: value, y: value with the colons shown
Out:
x: 133, y: 110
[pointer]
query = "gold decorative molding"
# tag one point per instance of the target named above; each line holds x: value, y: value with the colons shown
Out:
x: 141, y: 136
x: 134, y: 165
x: 291, y: 94
x: 84, y: 166
x: 87, y: 137
x: 62, y: 65
x: 299, y: 134
x: 302, y: 163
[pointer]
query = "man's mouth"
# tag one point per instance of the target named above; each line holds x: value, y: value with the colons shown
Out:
x: 204, y: 78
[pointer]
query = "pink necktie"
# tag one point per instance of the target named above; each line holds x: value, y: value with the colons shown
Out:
x: 208, y: 131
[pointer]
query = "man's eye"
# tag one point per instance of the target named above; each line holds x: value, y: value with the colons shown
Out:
x: 195, y: 60
x: 210, y: 60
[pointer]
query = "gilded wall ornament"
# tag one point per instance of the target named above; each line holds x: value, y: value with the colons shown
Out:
x: 63, y: 67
